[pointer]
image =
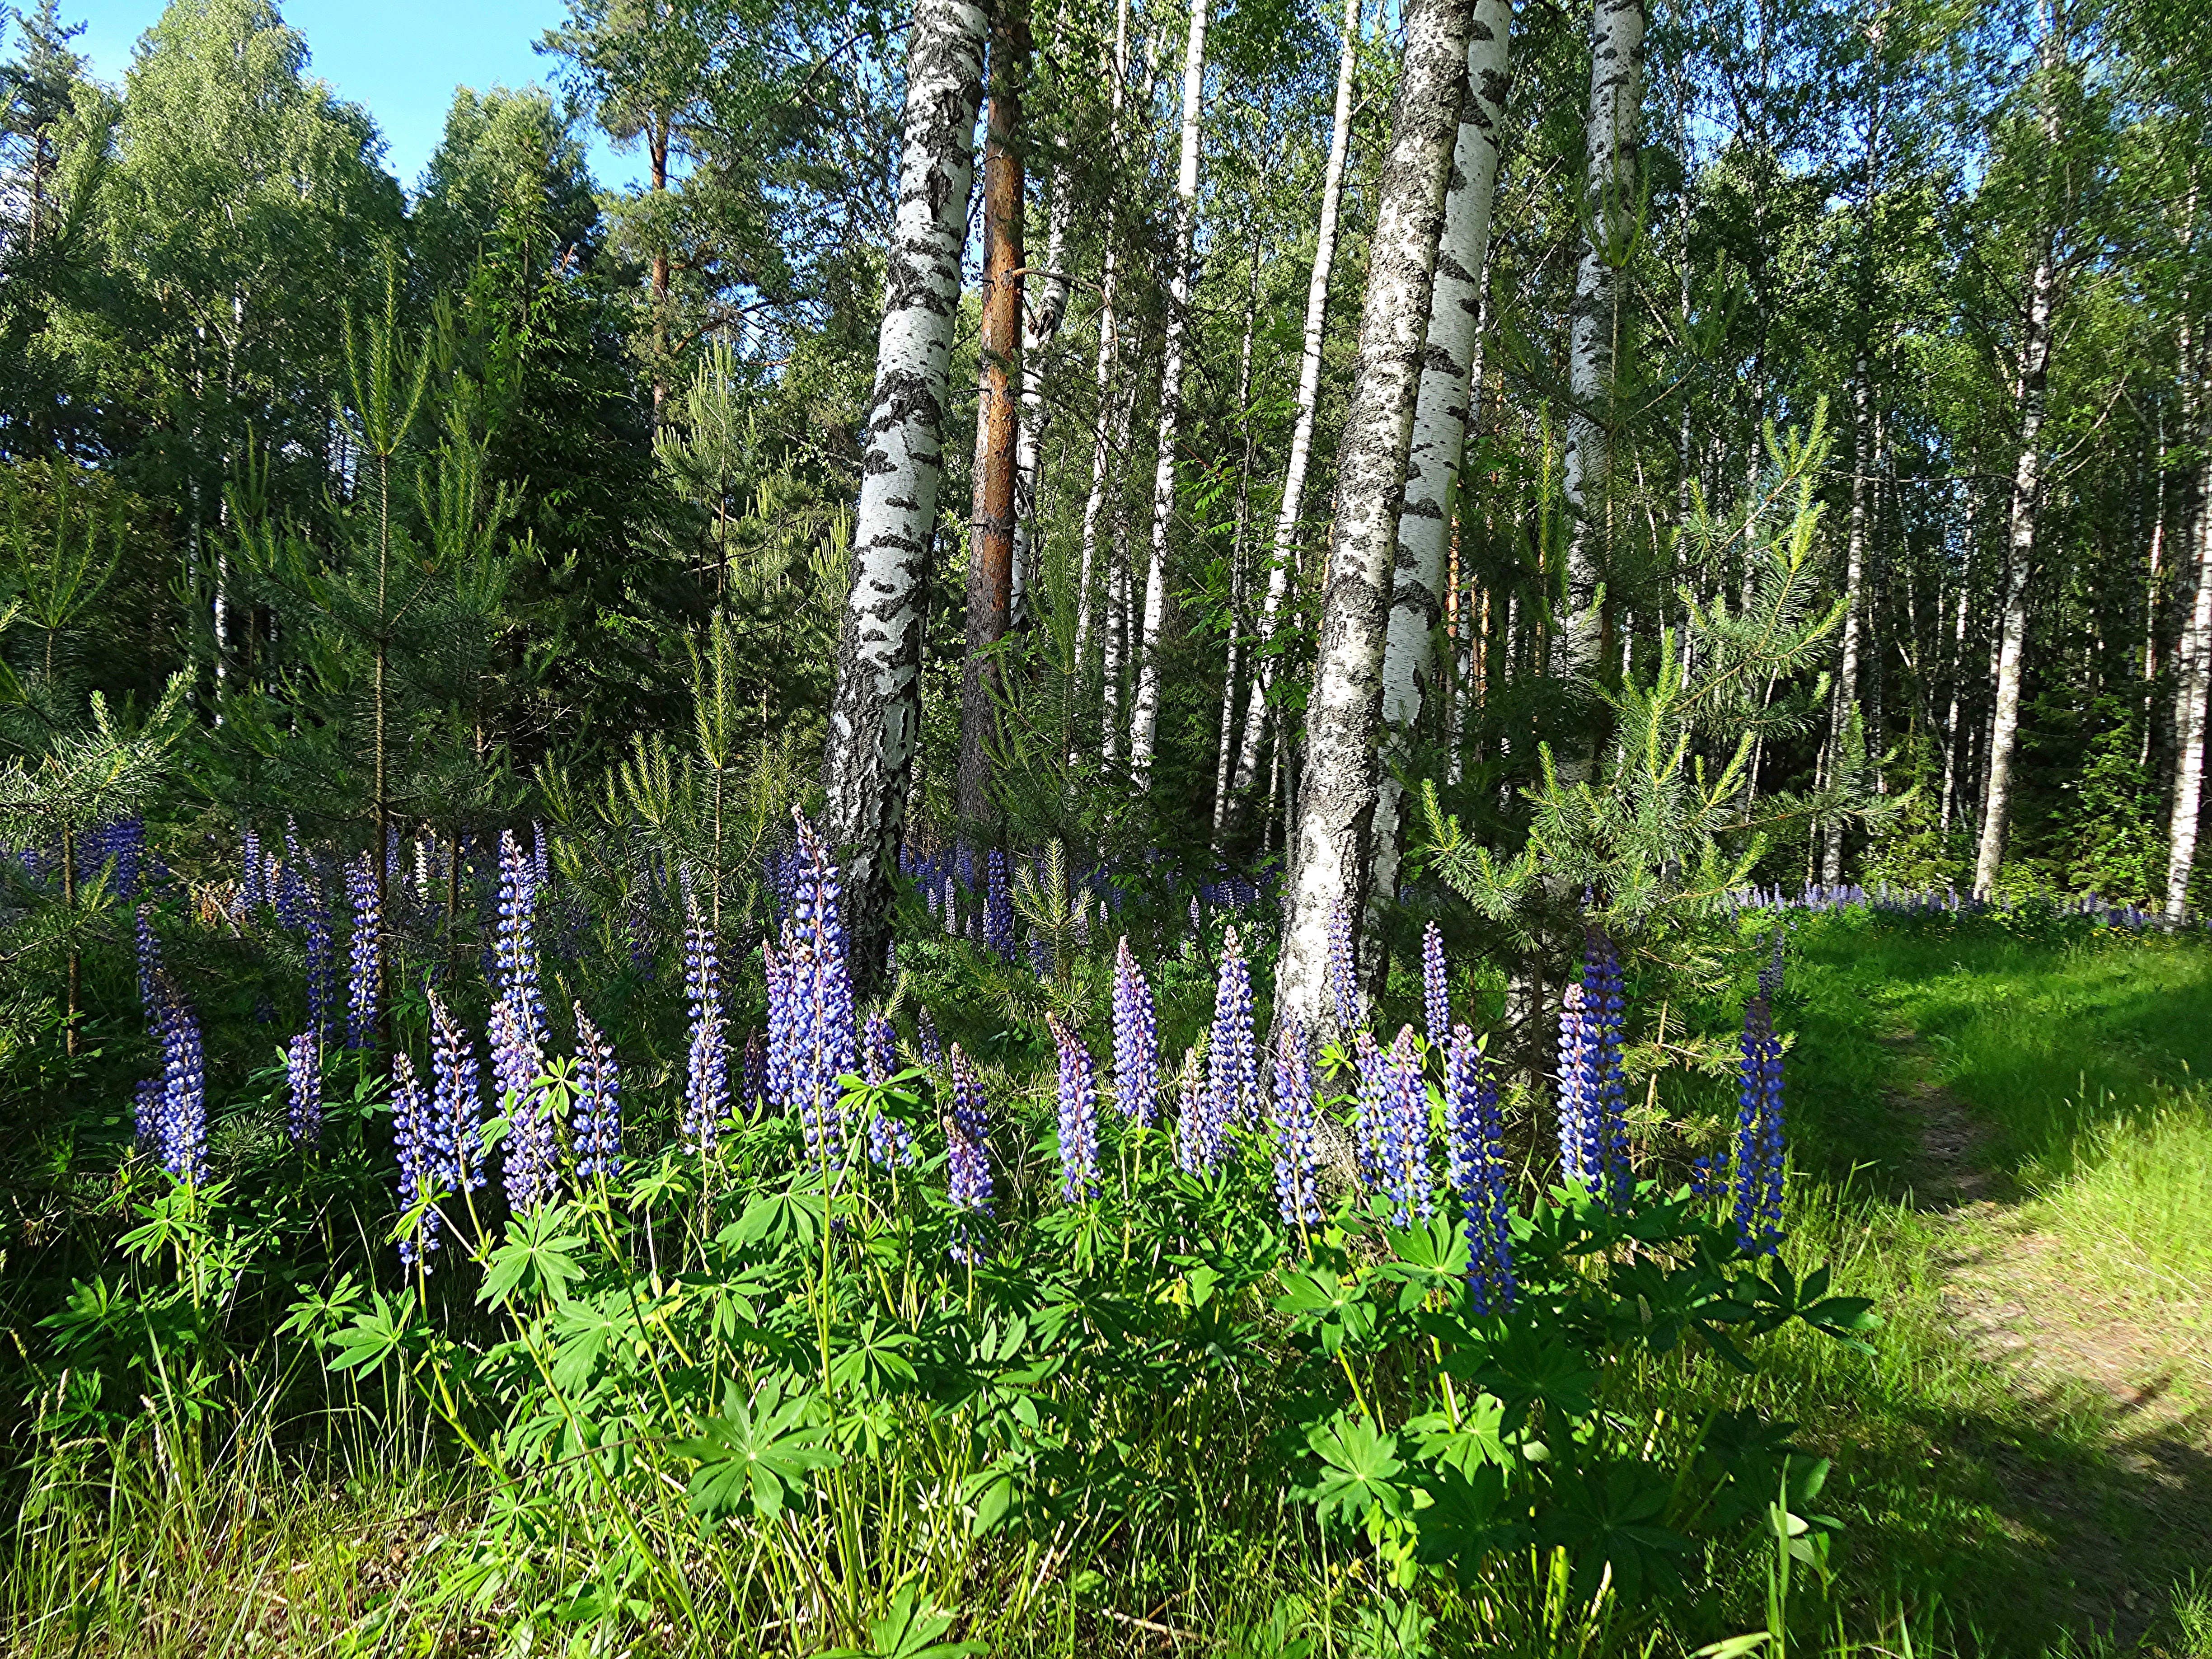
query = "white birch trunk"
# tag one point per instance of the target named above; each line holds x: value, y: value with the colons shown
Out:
x: 875, y: 714
x: 1109, y: 351
x: 1609, y: 210
x: 1440, y: 422
x: 1847, y: 671
x: 2020, y: 531
x: 1225, y: 754
x: 1040, y: 327
x: 1115, y: 629
x: 1958, y: 683
x: 1283, y: 554
x: 1330, y: 852
x: 1144, y: 707
x: 2190, y: 701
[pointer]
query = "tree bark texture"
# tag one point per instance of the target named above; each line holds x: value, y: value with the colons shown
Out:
x: 1847, y: 669
x: 1331, y: 846
x: 1283, y: 553
x: 1102, y: 440
x: 1610, y: 217
x: 997, y: 415
x: 1440, y: 423
x: 1144, y: 706
x: 1040, y: 328
x: 2194, y: 681
x: 876, y: 711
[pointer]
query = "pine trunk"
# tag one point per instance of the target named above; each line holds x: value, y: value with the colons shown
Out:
x: 1283, y: 554
x: 1145, y: 709
x: 1331, y: 846
x: 1440, y: 423
x: 875, y: 716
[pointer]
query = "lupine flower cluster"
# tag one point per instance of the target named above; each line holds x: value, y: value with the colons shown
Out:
x: 1401, y: 1135
x: 180, y: 1114
x: 1758, y: 1146
x: 515, y: 941
x: 1436, y: 994
x: 455, y: 1138
x: 1079, y: 1115
x: 891, y: 1140
x: 1298, y: 1193
x: 1136, y: 1042
x: 1199, y: 1141
x: 707, y: 1072
x: 303, y: 1079
x: 998, y: 908
x: 1593, y: 1127
x: 1478, y: 1172
x: 925, y: 1036
x: 322, y: 959
x: 812, y: 1040
x: 530, y: 1163
x: 968, y: 1158
x: 415, y: 1138
x: 1343, y: 967
x: 149, y: 963
x: 1233, y: 1063
x: 365, y: 969
x: 595, y: 1120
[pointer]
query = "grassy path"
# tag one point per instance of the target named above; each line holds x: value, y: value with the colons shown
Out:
x: 2034, y: 1444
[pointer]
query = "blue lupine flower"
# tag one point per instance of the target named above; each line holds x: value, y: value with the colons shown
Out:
x: 149, y: 966
x: 1136, y: 1042
x: 891, y: 1140
x: 1436, y: 994
x: 182, y: 1136
x: 146, y: 1110
x: 1298, y: 1193
x: 1199, y: 1141
x: 365, y: 978
x: 253, y: 884
x: 820, y: 984
x: 1402, y: 1131
x: 706, y: 1072
x: 1480, y: 1174
x: 1770, y: 976
x: 1343, y: 967
x: 926, y: 1039
x: 595, y: 1122
x: 1759, y: 1144
x: 530, y: 1164
x: 514, y: 945
x: 878, y: 1049
x: 754, y: 1099
x: 415, y: 1137
x: 1233, y: 1063
x: 1079, y: 1115
x: 968, y: 1158
x: 303, y: 1078
x: 455, y: 1139
x: 1368, y: 1107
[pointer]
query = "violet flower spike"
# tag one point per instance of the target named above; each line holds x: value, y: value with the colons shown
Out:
x: 364, y: 954
x: 1079, y: 1115
x: 1232, y: 1060
x: 182, y: 1119
x: 1480, y: 1174
x: 595, y: 1122
x: 303, y: 1078
x: 1343, y: 967
x: 1298, y: 1194
x: 1136, y: 1042
x: 1436, y: 994
x: 707, y: 1072
x: 415, y: 1138
x: 968, y: 1158
x: 454, y: 1138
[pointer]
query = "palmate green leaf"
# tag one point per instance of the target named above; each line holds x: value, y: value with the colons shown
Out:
x: 537, y: 1258
x: 909, y: 1629
x: 1360, y: 1470
x: 754, y: 1452
x: 386, y: 1328
x: 1465, y: 1520
x: 1614, y: 1515
x: 1316, y: 1299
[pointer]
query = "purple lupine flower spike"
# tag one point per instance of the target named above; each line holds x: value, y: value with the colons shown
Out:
x: 968, y: 1158
x: 1343, y: 967
x: 1298, y: 1194
x: 415, y: 1137
x: 1403, y: 1132
x: 891, y: 1140
x: 527, y: 1163
x: 707, y: 1074
x: 182, y: 1120
x: 998, y: 908
x: 322, y: 963
x: 926, y: 1039
x: 754, y: 1099
x: 879, y: 1049
x: 515, y: 943
x: 1136, y: 1042
x: 1368, y: 1107
x: 1480, y: 1174
x: 303, y: 1077
x: 365, y: 960
x: 1604, y: 1006
x: 1079, y: 1115
x: 1232, y: 1060
x: 1577, y: 1092
x: 455, y: 1135
x: 146, y: 1111
x: 1436, y: 994
x: 595, y: 1123
x: 150, y: 967
x: 1760, y: 1150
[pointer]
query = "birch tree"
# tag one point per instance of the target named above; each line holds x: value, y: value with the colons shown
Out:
x: 2191, y: 686
x: 1144, y: 706
x: 1440, y: 422
x: 1103, y: 449
x: 1330, y: 850
x: 1040, y: 328
x: 1611, y: 206
x: 874, y: 716
x: 1283, y: 552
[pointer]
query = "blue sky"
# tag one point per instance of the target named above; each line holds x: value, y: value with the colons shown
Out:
x: 402, y: 58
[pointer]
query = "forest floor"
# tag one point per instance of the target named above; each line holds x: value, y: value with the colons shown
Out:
x: 2029, y: 1125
